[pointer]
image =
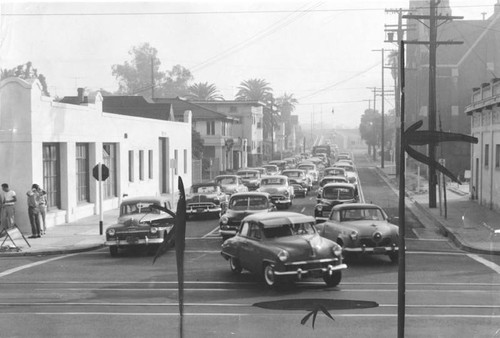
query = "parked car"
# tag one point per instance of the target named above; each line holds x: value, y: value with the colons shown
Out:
x: 280, y: 189
x: 241, y: 205
x: 139, y: 224
x: 283, y: 245
x: 279, y: 163
x: 271, y: 169
x: 311, y: 170
x: 362, y: 228
x: 299, y: 176
x: 230, y: 184
x: 331, y: 195
x: 206, y: 199
x: 329, y: 179
x: 351, y: 174
x: 250, y: 178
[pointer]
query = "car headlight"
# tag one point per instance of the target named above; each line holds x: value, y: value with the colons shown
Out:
x: 153, y: 230
x: 354, y: 235
x: 319, y: 207
x: 286, y: 193
x: 337, y: 250
x: 283, y: 255
x: 224, y: 219
x: 111, y: 232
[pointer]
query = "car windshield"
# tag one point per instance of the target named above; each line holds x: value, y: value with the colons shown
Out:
x: 137, y: 208
x: 248, y: 174
x: 306, y: 167
x: 293, y: 173
x: 226, y: 180
x: 248, y: 203
x: 284, y: 230
x: 203, y: 189
x: 273, y: 181
x: 361, y: 214
x: 338, y: 193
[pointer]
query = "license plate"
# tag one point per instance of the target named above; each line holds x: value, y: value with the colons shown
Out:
x: 326, y: 213
x: 199, y: 210
x: 132, y: 240
x: 379, y: 250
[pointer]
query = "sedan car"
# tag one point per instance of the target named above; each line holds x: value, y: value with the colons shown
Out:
x: 329, y: 179
x: 250, y: 178
x: 206, y: 199
x: 283, y: 245
x: 351, y: 174
x: 230, y: 184
x: 271, y: 169
x: 362, y: 229
x: 241, y: 205
x: 299, y: 176
x: 311, y: 170
x: 279, y: 163
x: 331, y: 195
x: 334, y: 171
x: 279, y: 188
x: 139, y: 224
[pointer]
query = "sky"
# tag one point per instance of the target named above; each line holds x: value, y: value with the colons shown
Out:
x: 326, y: 53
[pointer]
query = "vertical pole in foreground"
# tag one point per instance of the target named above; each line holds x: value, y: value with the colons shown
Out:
x: 382, y: 141
x: 402, y: 267
x: 100, y: 198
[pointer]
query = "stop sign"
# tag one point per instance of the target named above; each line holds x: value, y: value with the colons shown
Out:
x: 104, y: 172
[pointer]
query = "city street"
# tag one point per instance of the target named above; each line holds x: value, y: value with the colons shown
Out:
x: 449, y: 292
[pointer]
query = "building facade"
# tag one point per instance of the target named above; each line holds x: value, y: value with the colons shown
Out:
x: 57, y: 144
x: 484, y: 112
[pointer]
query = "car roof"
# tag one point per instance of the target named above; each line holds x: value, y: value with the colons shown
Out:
x: 356, y: 206
x: 275, y: 176
x: 330, y: 168
x: 205, y: 184
x: 270, y: 219
x: 250, y: 193
x: 334, y: 177
x: 339, y: 184
x: 249, y: 169
x: 294, y: 170
x: 144, y: 199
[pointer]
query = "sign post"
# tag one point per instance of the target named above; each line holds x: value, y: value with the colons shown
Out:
x: 101, y: 173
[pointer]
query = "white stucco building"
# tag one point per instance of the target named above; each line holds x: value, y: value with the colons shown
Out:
x: 57, y: 144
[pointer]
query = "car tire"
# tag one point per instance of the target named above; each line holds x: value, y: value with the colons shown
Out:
x: 333, y: 279
x: 113, y: 251
x: 394, y: 256
x: 268, y: 275
x: 235, y: 266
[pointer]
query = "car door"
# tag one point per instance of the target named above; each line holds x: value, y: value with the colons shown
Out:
x: 250, y: 257
x: 331, y: 229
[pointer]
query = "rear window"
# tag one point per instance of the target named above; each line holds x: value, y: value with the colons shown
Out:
x: 338, y: 193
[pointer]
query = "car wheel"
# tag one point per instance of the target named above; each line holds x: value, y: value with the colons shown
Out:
x: 394, y: 256
x: 235, y: 266
x: 113, y: 251
x: 268, y: 273
x: 333, y: 279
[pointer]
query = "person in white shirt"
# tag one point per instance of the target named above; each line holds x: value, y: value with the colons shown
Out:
x: 8, y: 207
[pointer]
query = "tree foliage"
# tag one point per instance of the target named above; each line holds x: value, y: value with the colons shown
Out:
x: 286, y: 105
x: 26, y: 71
x: 136, y: 77
x: 196, y: 145
x: 204, y: 92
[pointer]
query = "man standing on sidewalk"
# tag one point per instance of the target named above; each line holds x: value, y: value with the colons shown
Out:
x: 8, y: 201
x: 34, y: 211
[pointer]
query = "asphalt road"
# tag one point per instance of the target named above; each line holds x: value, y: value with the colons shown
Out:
x: 449, y: 292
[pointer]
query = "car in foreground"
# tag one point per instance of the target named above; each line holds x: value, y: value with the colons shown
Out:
x: 139, y: 225
x: 283, y: 246
x: 241, y: 205
x: 362, y: 228
x: 280, y: 189
x: 230, y: 184
x: 331, y: 195
x: 250, y: 178
x: 206, y: 199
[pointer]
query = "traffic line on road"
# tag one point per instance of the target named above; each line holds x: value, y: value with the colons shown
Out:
x: 212, y: 233
x: 302, y: 210
x: 31, y: 265
x: 489, y: 264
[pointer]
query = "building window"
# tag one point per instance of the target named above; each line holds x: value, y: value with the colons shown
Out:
x: 223, y: 128
x: 51, y: 176
x: 176, y: 157
x: 497, y: 156
x: 109, y: 159
x: 210, y: 127
x: 150, y: 164
x: 185, y: 161
x: 141, y: 165
x: 486, y: 155
x: 131, y: 166
x: 82, y: 172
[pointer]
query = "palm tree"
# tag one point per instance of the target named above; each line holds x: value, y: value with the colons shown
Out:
x: 394, y: 63
x: 287, y: 103
x: 254, y: 90
x: 204, y: 92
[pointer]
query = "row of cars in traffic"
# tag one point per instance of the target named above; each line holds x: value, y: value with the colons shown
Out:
x: 279, y: 245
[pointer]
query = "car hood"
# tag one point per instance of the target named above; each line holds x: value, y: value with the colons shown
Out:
x: 305, y: 246
x: 201, y: 197
x: 141, y: 219
x: 273, y: 189
x: 368, y: 227
x: 240, y: 214
x: 334, y: 202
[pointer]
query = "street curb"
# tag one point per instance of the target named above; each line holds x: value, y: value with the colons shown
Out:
x: 53, y: 252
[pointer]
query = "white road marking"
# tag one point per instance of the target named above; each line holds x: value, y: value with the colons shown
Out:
x: 212, y: 233
x: 302, y: 210
x: 486, y: 262
x: 31, y: 265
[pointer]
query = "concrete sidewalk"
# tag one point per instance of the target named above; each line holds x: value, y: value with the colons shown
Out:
x: 82, y: 235
x: 469, y: 225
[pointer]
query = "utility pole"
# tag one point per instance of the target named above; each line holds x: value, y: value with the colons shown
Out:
x: 433, y: 18
x: 382, y: 136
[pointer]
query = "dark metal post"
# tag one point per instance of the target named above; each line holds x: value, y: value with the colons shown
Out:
x: 432, y: 100
x: 382, y: 141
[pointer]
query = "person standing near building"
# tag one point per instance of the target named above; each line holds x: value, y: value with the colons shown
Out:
x: 8, y: 206
x: 34, y: 211
x: 42, y: 205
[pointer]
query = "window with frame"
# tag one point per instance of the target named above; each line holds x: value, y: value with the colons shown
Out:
x: 254, y: 231
x: 486, y: 155
x: 210, y: 127
x: 244, y: 229
x: 51, y: 174
x: 141, y: 165
x: 497, y: 156
x: 131, y: 166
x: 185, y: 161
x: 176, y: 157
x: 82, y: 172
x: 109, y: 159
x: 150, y: 164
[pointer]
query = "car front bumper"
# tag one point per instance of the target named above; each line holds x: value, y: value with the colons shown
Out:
x: 200, y: 211
x: 140, y: 241
x: 281, y: 200
x: 372, y: 250
x: 303, y: 268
